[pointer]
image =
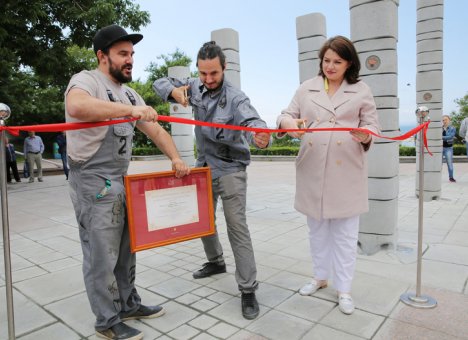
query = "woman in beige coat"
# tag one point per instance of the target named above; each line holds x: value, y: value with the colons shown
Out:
x: 331, y: 168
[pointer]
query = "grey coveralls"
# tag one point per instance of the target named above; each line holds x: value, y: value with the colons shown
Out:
x: 227, y: 154
x: 108, y: 264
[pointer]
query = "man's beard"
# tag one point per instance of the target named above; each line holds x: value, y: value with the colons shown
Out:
x: 117, y: 73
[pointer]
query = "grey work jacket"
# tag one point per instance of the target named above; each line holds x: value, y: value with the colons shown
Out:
x: 224, y: 151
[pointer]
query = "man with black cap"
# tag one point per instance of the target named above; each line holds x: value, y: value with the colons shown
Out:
x: 98, y: 160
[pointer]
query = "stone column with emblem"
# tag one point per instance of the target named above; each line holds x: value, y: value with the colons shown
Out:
x: 182, y: 134
x: 374, y: 31
x: 429, y: 83
x: 228, y: 39
x: 311, y: 33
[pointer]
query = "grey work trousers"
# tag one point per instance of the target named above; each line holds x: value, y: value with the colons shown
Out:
x: 34, y: 158
x: 232, y: 189
x: 108, y: 265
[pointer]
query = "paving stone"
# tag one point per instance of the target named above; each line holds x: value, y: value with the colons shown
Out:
x: 204, y: 291
x: 176, y: 315
x: 203, y: 305
x: 27, y: 273
x: 184, y: 332
x: 448, y: 253
x: 288, y: 280
x: 203, y: 322
x: 54, y: 286
x: 151, y: 277
x: 394, y: 329
x: 187, y: 299
x: 28, y: 316
x: 174, y: 287
x: 220, y: 297
x: 448, y: 317
x: 56, y: 331
x: 64, y: 263
x: 321, y: 332
x: 278, y: 325
x: 205, y: 336
x: 245, y: 335
x: 271, y: 296
x: 75, y: 312
x: 222, y: 330
x: 306, y: 307
x: 225, y: 283
x: 359, y: 323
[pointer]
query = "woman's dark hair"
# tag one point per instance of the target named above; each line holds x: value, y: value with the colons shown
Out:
x: 346, y: 50
x: 209, y: 51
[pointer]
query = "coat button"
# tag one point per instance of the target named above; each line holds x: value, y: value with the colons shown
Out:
x: 310, y: 143
x: 338, y: 142
x: 318, y: 119
x: 332, y: 120
x: 338, y: 162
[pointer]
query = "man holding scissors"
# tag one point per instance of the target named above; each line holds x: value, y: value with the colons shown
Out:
x: 226, y: 152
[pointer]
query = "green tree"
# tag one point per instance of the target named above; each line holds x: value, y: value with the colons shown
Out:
x: 462, y: 113
x: 37, y: 40
x: 178, y: 58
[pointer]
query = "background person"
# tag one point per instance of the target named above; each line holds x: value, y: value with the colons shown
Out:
x: 98, y: 159
x: 448, y: 135
x: 331, y: 167
x: 33, y: 149
x: 227, y: 153
x: 10, y: 161
x: 61, y: 140
x: 463, y: 133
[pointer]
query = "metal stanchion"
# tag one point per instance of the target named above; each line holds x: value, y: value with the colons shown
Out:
x: 416, y: 299
x: 4, y: 115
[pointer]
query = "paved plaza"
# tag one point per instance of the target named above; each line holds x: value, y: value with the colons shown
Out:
x: 50, y: 300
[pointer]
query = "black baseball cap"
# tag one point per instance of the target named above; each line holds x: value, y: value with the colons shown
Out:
x: 109, y: 35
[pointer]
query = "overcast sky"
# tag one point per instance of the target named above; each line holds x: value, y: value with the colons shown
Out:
x: 268, y: 45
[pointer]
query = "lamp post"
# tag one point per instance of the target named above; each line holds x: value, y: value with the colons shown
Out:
x: 416, y: 299
x: 5, y: 113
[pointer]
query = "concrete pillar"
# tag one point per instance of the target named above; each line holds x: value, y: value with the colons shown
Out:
x: 374, y: 31
x: 311, y: 33
x: 182, y: 134
x: 429, y: 84
x: 228, y: 39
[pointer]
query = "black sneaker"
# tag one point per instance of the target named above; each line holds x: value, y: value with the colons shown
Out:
x: 120, y: 331
x: 144, y: 312
x: 208, y: 269
x: 250, y: 307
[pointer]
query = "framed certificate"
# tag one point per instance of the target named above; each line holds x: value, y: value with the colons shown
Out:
x: 163, y: 209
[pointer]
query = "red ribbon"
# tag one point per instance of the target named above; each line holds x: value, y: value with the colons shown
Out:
x: 14, y: 130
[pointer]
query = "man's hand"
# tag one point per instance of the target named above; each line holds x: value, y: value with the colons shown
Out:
x: 180, y: 95
x: 180, y: 167
x: 262, y: 139
x: 145, y: 113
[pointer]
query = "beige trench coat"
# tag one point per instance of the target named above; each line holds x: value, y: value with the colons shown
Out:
x: 331, y: 167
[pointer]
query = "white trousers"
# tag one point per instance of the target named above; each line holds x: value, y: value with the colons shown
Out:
x: 333, y: 246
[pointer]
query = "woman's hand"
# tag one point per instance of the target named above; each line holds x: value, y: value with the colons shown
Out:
x: 294, y: 124
x: 361, y: 137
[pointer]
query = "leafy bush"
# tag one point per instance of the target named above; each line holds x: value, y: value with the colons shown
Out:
x: 459, y: 149
x: 407, y: 150
x: 146, y: 151
x: 276, y: 151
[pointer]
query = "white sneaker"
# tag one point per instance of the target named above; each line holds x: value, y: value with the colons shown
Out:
x: 345, y: 303
x: 311, y: 288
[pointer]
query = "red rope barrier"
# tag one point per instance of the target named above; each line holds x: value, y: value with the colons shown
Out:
x: 14, y: 130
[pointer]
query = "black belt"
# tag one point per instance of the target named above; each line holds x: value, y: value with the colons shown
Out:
x: 33, y: 152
